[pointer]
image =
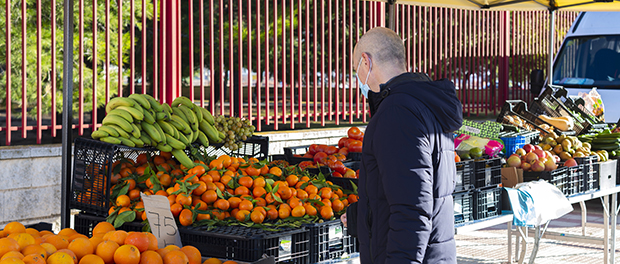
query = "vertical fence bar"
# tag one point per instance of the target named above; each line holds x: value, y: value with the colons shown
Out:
x: 231, y: 67
x: 143, y: 74
x: 357, y: 33
x: 330, y: 61
x: 132, y: 53
x: 119, y: 11
x: 275, y: 65
x: 307, y: 80
x: 202, y: 54
x: 221, y: 55
x: 53, y: 70
x: 155, y: 41
x: 292, y: 69
x: 81, y: 70
x: 240, y: 61
x: 284, y: 63
x: 24, y: 67
x: 299, y: 100
x: 179, y: 59
x: 316, y: 70
x: 212, y: 70
x: 337, y: 70
x: 107, y: 51
x: 164, y: 46
x: 259, y: 71
x: 39, y: 117
x: 95, y: 73
x: 191, y: 49
x: 249, y: 55
x: 267, y: 74
x: 348, y: 61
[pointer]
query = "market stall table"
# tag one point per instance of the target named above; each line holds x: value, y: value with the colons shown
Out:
x: 581, y: 198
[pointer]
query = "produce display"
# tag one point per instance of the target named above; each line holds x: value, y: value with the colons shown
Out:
x: 566, y: 147
x: 225, y: 190
x: 535, y: 158
x: 107, y: 245
x: 139, y: 121
x: 606, y: 142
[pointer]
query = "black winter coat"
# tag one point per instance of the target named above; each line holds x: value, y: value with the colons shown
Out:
x: 405, y: 208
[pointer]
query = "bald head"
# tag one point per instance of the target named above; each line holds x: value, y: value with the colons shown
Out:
x: 383, y: 46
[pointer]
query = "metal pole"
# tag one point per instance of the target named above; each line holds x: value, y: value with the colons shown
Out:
x: 67, y: 90
x: 551, y: 46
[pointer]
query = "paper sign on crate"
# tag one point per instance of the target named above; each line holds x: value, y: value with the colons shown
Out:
x: 488, y: 129
x: 163, y: 226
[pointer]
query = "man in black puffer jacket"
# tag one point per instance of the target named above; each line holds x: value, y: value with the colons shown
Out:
x: 405, y: 209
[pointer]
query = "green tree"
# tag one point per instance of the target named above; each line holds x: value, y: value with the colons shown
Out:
x: 46, y: 51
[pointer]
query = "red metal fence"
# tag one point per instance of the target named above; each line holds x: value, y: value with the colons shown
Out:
x: 283, y: 64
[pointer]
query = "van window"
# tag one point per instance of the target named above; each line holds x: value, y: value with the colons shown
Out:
x: 592, y: 61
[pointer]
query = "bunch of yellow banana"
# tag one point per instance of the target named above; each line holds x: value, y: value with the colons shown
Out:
x: 139, y: 120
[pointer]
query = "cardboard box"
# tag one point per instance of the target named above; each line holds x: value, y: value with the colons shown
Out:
x: 511, y: 176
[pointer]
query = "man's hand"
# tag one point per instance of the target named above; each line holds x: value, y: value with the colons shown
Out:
x: 343, y: 218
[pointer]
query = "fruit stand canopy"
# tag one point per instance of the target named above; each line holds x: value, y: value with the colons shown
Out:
x: 568, y: 5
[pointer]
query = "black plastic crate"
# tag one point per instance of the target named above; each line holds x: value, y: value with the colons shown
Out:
x: 551, y: 106
x: 92, y: 168
x: 487, y: 172
x: 354, y: 165
x: 253, y: 147
x: 345, y: 183
x: 290, y: 245
x: 487, y: 202
x: 590, y: 175
x: 290, y: 152
x: 558, y: 177
x: 84, y: 224
x: 464, y: 175
x: 575, y: 181
x: 463, y: 207
x: 329, y: 240
x: 519, y: 108
x: 354, y: 156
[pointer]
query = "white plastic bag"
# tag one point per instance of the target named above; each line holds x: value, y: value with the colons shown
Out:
x: 593, y: 102
x: 537, y: 202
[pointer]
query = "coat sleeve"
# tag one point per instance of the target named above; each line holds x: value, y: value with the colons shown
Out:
x: 403, y: 154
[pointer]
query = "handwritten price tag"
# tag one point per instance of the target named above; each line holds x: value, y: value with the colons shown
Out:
x: 157, y: 209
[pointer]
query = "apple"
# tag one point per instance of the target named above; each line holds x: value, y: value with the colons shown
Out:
x: 537, y: 147
x: 549, y: 154
x: 521, y: 152
x: 526, y: 166
x: 550, y: 164
x: 540, y: 153
x: 530, y: 157
x: 557, y: 158
x: 570, y: 163
x: 528, y: 148
x: 538, y: 166
x: 514, y: 161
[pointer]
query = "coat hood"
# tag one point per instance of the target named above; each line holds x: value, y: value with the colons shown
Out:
x: 438, y: 96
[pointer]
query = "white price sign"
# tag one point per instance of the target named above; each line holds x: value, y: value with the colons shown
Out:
x: 157, y: 209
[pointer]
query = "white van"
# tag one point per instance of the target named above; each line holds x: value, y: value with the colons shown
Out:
x: 590, y: 57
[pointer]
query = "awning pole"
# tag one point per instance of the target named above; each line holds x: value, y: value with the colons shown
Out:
x: 67, y: 113
x: 551, y: 46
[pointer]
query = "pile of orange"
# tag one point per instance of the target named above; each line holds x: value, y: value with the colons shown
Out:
x: 227, y: 187
x: 21, y: 245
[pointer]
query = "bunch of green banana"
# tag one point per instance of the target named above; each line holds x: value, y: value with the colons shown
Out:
x: 139, y: 120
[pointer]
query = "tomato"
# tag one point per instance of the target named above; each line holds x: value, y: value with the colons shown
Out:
x: 321, y: 148
x: 304, y: 164
x: 344, y: 151
x: 308, y: 155
x: 339, y: 156
x: 312, y: 149
x: 355, y: 146
x: 355, y: 133
x: 339, y: 167
x: 318, y: 156
x: 329, y: 150
x: 342, y: 141
x: 349, y: 141
x: 336, y: 174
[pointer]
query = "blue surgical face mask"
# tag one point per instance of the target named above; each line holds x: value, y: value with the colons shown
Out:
x: 364, y: 88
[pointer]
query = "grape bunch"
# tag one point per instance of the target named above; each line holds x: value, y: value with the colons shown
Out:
x: 235, y: 129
